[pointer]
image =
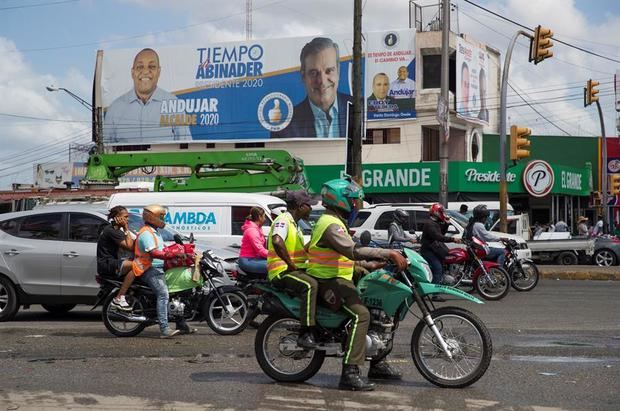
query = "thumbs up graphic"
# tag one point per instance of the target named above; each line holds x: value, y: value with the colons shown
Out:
x: 275, y: 114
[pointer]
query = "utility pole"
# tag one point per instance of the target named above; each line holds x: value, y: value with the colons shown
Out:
x: 444, y: 100
x: 605, y: 187
x: 354, y: 152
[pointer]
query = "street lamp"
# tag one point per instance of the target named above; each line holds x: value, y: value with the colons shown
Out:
x: 78, y: 98
x: 96, y: 115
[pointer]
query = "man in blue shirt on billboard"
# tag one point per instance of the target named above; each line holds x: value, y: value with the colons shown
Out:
x: 323, y: 113
x: 135, y: 116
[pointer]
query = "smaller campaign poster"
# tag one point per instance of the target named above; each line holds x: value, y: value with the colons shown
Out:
x: 472, y: 77
x: 390, y: 88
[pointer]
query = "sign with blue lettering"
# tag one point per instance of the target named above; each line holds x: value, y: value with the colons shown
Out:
x: 259, y: 90
x: 197, y: 220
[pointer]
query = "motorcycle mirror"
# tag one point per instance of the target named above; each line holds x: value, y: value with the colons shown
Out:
x: 178, y: 239
x: 365, y: 238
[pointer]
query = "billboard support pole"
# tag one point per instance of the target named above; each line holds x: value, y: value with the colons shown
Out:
x: 354, y: 152
x: 503, y: 184
x: 444, y: 131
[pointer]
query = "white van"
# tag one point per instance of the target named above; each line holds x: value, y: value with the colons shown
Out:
x: 214, y: 217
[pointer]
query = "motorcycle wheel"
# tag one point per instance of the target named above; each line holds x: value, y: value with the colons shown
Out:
x: 280, y: 363
x: 496, y: 288
x: 526, y: 278
x: 117, y: 326
x: 468, y: 340
x: 231, y: 319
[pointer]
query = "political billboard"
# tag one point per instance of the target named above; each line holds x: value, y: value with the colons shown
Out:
x: 52, y: 175
x: 250, y: 90
x: 390, y: 75
x: 472, y: 77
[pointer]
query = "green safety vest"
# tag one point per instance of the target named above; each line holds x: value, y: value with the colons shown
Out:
x: 325, y: 262
x: 294, y: 245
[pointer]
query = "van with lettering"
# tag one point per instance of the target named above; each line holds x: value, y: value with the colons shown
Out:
x: 214, y: 217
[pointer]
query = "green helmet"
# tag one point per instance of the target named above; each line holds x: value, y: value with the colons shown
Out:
x: 341, y: 193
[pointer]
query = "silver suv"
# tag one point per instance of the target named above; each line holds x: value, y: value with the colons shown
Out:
x: 48, y: 257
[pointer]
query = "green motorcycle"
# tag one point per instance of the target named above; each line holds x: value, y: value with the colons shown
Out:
x: 450, y: 346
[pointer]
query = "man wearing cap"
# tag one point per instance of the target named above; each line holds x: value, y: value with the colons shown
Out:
x: 148, y: 262
x: 286, y: 261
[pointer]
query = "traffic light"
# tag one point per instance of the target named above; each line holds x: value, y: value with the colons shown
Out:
x: 541, y: 44
x: 614, y: 184
x: 591, y: 92
x: 519, y: 142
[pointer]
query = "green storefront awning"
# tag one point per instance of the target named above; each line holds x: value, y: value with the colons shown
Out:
x: 463, y: 176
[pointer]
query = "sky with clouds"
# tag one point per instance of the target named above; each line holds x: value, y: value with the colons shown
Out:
x: 45, y: 42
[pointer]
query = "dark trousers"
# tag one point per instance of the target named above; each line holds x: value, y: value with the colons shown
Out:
x: 307, y: 288
x: 352, y: 304
x: 435, y: 263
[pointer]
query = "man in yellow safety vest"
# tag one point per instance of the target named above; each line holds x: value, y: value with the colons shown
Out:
x: 286, y: 261
x: 332, y: 257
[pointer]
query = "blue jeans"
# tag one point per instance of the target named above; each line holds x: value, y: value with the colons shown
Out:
x: 435, y: 263
x: 154, y: 277
x: 253, y: 265
x: 496, y: 254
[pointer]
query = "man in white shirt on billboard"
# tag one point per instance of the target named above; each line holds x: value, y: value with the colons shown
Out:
x: 403, y: 89
x: 135, y: 116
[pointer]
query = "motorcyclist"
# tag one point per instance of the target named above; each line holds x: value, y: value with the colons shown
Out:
x: 476, y: 228
x: 331, y: 256
x: 396, y: 232
x: 433, y: 235
x: 148, y: 263
x: 286, y: 261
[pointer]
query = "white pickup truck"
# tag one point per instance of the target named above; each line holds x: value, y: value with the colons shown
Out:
x: 557, y: 247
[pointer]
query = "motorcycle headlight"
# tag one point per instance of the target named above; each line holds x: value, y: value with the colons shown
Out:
x: 429, y: 272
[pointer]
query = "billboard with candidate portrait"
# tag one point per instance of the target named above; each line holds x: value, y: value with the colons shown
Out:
x: 390, y: 75
x: 472, y: 77
x: 250, y: 90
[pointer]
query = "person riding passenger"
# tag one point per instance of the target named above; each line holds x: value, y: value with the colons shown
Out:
x: 286, y: 261
x: 332, y: 256
x: 253, y: 254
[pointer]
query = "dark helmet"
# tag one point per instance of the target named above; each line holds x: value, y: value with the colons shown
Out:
x: 401, y: 216
x: 481, y: 212
x: 438, y: 212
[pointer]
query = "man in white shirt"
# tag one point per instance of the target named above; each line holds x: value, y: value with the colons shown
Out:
x: 403, y: 89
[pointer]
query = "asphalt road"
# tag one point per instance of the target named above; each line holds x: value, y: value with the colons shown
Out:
x: 557, y: 347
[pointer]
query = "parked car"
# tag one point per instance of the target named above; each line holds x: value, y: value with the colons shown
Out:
x: 377, y: 218
x: 48, y: 257
x: 606, y: 251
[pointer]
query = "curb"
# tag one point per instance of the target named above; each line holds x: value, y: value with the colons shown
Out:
x: 585, y: 272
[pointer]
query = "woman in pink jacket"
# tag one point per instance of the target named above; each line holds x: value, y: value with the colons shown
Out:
x: 253, y: 254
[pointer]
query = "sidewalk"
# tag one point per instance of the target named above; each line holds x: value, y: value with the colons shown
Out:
x: 579, y: 272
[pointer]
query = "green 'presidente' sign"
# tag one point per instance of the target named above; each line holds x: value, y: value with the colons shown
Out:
x: 462, y: 176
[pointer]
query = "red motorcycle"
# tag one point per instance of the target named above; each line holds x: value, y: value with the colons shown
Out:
x: 467, y: 266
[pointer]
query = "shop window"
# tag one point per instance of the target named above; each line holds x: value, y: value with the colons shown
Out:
x: 382, y: 136
x: 430, y: 144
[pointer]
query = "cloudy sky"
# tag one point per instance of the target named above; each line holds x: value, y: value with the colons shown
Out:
x: 44, y: 42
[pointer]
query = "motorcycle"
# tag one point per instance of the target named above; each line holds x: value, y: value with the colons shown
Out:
x: 523, y: 273
x: 466, y: 266
x: 208, y: 295
x: 450, y: 346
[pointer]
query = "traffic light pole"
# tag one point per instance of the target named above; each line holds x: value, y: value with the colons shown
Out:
x: 503, y: 184
x: 604, y: 171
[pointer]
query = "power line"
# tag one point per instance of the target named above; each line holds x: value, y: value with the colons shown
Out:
x: 539, y: 113
x: 554, y: 38
x: 28, y: 6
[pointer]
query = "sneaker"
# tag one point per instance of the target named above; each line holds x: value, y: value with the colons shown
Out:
x: 187, y: 330
x: 120, y: 303
x: 169, y: 333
